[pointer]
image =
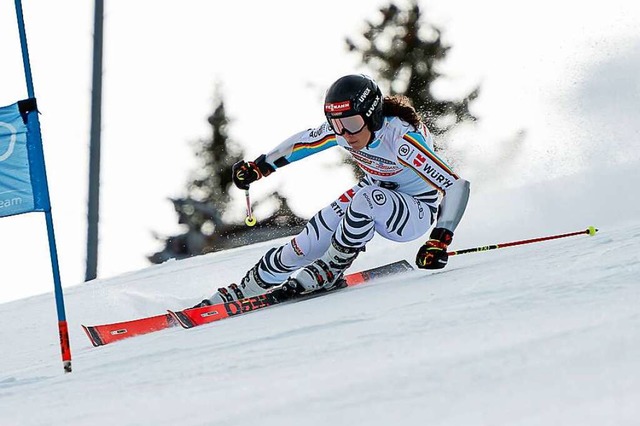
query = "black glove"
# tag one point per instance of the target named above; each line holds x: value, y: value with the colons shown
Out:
x: 433, y: 253
x: 244, y: 173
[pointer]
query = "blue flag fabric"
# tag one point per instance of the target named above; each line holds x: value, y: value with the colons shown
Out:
x: 23, y: 184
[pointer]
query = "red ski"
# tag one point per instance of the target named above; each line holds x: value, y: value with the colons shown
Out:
x: 109, y: 333
x: 193, y: 317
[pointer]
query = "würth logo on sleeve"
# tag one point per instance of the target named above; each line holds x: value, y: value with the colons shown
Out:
x: 347, y: 196
x: 419, y: 160
x: 337, y: 106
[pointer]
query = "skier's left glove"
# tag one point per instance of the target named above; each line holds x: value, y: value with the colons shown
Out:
x: 433, y: 253
x: 244, y: 173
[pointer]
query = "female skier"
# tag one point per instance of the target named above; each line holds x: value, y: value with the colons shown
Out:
x: 406, y: 188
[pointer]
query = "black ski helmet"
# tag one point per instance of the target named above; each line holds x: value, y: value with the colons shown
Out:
x: 352, y: 95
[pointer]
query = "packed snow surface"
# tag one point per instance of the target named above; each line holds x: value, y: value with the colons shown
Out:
x: 541, y: 334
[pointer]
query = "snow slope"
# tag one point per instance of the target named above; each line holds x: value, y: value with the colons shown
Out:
x: 544, y: 334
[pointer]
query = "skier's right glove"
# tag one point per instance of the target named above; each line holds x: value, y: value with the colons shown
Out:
x: 244, y: 173
x: 433, y: 253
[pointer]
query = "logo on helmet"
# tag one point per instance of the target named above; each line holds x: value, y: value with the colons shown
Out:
x: 373, y: 106
x: 337, y: 107
x: 364, y: 94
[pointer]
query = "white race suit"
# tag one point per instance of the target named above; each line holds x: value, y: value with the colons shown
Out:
x: 406, y: 188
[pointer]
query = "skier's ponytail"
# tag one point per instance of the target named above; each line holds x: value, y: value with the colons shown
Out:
x: 400, y: 106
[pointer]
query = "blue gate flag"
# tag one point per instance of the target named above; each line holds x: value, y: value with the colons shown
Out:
x: 23, y: 185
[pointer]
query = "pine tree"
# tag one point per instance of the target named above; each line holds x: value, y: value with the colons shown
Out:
x: 210, y: 183
x: 202, y: 209
x: 404, y: 52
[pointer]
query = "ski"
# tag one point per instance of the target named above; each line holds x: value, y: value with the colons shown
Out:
x: 104, y: 334
x: 109, y: 333
x: 193, y: 317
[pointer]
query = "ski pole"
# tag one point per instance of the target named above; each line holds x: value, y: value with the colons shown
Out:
x: 250, y: 220
x: 589, y: 231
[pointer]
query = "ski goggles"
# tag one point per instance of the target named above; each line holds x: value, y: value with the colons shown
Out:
x: 352, y: 125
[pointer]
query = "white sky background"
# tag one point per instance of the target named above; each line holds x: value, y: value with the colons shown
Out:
x: 565, y: 72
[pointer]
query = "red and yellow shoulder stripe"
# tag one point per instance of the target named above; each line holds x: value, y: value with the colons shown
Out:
x: 318, y: 145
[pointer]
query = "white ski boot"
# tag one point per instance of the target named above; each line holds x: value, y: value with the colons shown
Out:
x: 326, y: 271
x: 250, y: 285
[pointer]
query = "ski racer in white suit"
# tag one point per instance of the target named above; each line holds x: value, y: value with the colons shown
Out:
x: 405, y: 190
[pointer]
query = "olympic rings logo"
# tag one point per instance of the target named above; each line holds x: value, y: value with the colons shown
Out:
x: 12, y: 141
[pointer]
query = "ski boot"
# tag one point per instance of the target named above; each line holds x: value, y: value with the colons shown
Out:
x: 325, y: 272
x: 250, y: 285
